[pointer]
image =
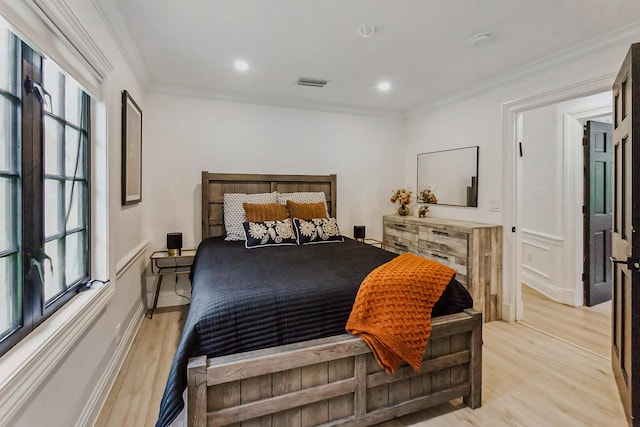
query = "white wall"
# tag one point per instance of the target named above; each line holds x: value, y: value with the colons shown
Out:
x: 80, y: 379
x: 187, y: 135
x: 477, y: 120
x: 542, y: 171
x: 542, y: 164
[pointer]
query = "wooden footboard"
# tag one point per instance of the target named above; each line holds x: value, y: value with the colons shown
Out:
x: 335, y: 381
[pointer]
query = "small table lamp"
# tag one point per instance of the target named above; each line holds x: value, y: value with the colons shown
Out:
x: 359, y: 232
x: 174, y: 244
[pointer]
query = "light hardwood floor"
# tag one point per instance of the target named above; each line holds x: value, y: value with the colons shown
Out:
x: 587, y: 327
x: 135, y: 397
x: 529, y: 379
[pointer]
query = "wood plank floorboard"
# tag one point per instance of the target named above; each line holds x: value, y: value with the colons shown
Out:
x: 583, y: 326
x: 529, y: 379
x: 134, y: 399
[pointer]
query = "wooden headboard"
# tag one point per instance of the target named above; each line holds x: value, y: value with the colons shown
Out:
x: 215, y: 185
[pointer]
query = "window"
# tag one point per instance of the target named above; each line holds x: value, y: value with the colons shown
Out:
x: 44, y: 188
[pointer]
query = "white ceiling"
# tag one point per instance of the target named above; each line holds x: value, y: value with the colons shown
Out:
x: 421, y: 46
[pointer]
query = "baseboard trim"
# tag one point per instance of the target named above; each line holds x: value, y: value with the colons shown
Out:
x: 508, y: 314
x: 170, y: 299
x: 564, y: 296
x: 98, y: 398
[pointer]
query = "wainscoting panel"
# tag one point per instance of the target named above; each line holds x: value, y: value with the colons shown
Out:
x: 129, y: 273
x: 542, y: 265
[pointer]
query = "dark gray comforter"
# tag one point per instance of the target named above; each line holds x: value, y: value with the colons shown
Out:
x: 248, y: 299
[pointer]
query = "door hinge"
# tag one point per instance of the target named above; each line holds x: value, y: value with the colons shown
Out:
x: 584, y: 209
x: 520, y: 147
x: 513, y: 229
x: 584, y: 142
x: 584, y: 277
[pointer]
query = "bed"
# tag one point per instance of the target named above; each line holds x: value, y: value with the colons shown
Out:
x: 305, y: 380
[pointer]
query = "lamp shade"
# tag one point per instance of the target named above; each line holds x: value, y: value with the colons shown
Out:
x: 359, y: 232
x: 174, y: 243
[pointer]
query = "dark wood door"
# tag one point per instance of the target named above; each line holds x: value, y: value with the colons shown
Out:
x: 625, y: 248
x: 598, y: 165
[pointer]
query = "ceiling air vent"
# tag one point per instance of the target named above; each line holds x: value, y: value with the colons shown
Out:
x: 304, y: 81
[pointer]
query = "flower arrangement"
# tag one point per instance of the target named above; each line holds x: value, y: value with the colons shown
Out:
x: 402, y: 198
x: 427, y: 195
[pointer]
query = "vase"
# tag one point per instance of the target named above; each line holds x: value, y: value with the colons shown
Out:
x: 403, y: 210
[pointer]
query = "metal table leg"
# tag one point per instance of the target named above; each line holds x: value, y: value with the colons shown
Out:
x: 155, y: 299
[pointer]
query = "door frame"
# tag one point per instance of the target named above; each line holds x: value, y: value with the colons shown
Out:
x: 512, y: 213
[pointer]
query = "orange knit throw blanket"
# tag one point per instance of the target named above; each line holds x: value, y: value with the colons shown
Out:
x: 392, y: 311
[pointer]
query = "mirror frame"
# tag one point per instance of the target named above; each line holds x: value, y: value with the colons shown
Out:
x: 474, y: 196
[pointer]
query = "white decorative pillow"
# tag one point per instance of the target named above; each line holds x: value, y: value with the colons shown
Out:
x: 304, y: 197
x: 234, y: 215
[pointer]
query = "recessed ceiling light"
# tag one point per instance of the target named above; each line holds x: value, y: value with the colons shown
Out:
x: 384, y: 86
x: 241, y: 65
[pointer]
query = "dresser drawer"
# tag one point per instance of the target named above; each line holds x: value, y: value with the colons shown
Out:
x: 402, y: 233
x: 457, y: 263
x: 399, y: 247
x: 444, y: 241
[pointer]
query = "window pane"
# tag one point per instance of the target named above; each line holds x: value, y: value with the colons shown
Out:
x: 8, y: 61
x: 75, y: 208
x: 8, y: 220
x: 53, y: 216
x: 8, y: 130
x: 53, y: 270
x: 53, y: 132
x: 72, y: 156
x: 73, y: 105
x: 76, y: 257
x: 54, y: 84
x: 10, y: 295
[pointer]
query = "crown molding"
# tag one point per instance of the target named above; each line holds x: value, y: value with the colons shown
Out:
x: 620, y: 35
x: 584, y: 88
x: 62, y: 20
x: 117, y: 25
x: 190, y: 92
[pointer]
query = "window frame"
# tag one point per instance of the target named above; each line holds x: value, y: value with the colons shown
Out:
x: 29, y: 217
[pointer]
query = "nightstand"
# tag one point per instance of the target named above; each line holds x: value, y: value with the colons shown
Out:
x: 162, y: 264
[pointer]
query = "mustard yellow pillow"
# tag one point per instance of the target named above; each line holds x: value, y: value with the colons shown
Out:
x: 306, y: 210
x: 258, y: 212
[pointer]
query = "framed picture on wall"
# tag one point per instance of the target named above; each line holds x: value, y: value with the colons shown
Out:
x: 131, y: 150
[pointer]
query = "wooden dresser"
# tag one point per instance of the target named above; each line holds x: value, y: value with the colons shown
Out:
x: 473, y: 249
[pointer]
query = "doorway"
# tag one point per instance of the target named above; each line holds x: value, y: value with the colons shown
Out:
x: 550, y: 199
x: 550, y: 173
x: 511, y: 112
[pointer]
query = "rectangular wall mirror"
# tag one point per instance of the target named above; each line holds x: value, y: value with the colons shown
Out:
x: 450, y: 175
